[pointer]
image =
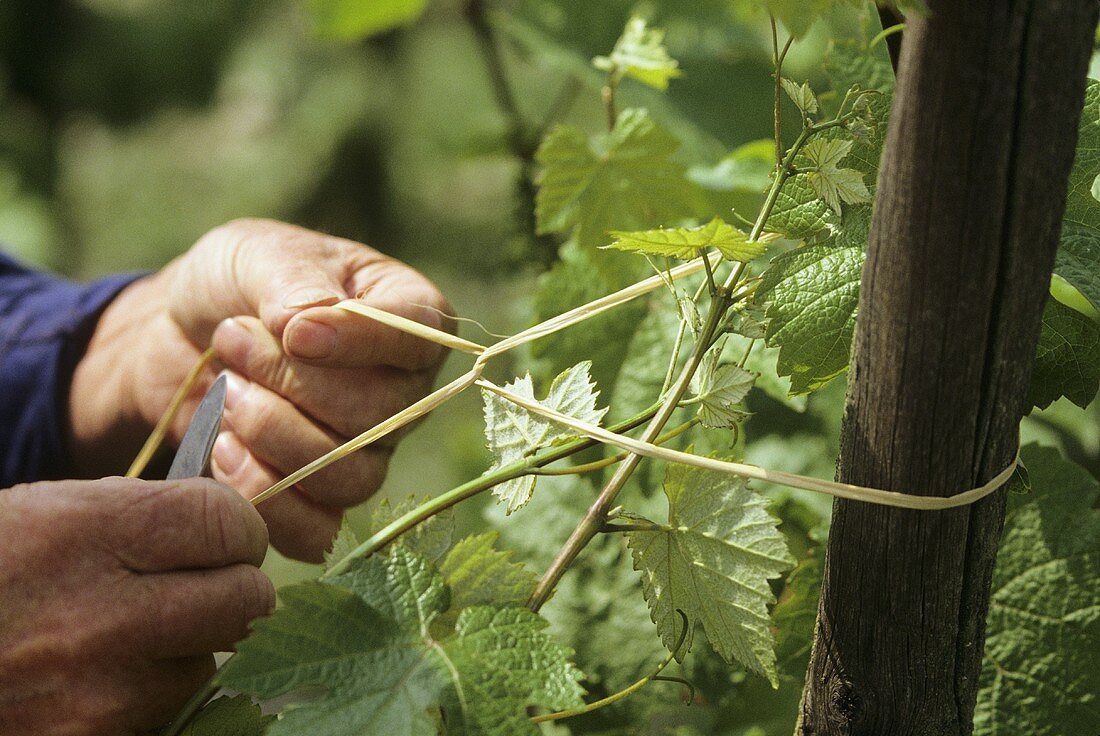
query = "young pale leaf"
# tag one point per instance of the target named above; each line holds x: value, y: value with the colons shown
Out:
x: 811, y: 295
x: 1067, y: 362
x: 229, y: 716
x: 720, y: 389
x: 714, y: 563
x: 802, y: 96
x: 640, y: 53
x: 355, y: 19
x: 801, y: 211
x: 514, y: 433
x: 832, y: 183
x: 1078, y: 260
x: 689, y: 242
x: 363, y: 649
x: 477, y: 573
x: 627, y: 180
x: 1039, y: 676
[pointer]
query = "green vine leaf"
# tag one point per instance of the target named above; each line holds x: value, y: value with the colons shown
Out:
x: 514, y: 433
x: 624, y: 180
x: 720, y: 389
x: 832, y: 183
x: 355, y: 19
x: 811, y: 295
x: 1067, y: 362
x: 714, y: 563
x: 1078, y: 260
x: 364, y: 643
x: 640, y: 53
x: 229, y: 716
x: 802, y: 96
x: 477, y: 573
x: 688, y: 242
x: 1040, y: 676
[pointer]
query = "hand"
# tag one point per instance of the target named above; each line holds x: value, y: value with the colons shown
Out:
x: 304, y: 378
x: 116, y: 592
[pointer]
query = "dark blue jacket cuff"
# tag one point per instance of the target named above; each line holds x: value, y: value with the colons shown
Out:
x: 45, y: 326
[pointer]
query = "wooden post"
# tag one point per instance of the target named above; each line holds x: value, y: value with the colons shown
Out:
x: 966, y: 224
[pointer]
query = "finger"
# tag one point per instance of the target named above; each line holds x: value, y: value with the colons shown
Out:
x: 280, y: 437
x: 192, y: 612
x: 348, y: 401
x: 165, y: 688
x: 263, y: 268
x: 153, y: 526
x: 300, y: 528
x: 340, y: 339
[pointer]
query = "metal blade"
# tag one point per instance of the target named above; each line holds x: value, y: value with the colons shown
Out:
x: 193, y: 457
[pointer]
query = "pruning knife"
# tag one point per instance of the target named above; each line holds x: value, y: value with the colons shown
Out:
x: 193, y: 457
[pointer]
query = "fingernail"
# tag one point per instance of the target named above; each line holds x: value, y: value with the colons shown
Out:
x: 233, y: 342
x: 310, y: 340
x: 229, y: 454
x: 311, y: 296
x: 235, y: 388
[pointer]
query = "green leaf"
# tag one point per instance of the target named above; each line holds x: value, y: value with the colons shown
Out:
x: 832, y: 183
x: 477, y: 573
x: 796, y: 614
x: 403, y: 587
x: 1067, y: 362
x: 640, y: 53
x: 514, y: 433
x: 714, y: 563
x: 798, y: 15
x: 624, y: 180
x: 361, y: 647
x: 1039, y: 675
x: 375, y: 678
x: 355, y: 19
x: 505, y: 661
x: 720, y: 389
x: 431, y: 538
x: 576, y: 279
x: 802, y: 96
x: 1078, y: 260
x: 229, y: 716
x: 809, y: 208
x: 689, y: 242
x: 811, y: 295
x: 343, y: 545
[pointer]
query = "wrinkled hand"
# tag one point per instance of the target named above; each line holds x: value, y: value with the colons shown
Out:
x: 116, y: 592
x: 303, y: 378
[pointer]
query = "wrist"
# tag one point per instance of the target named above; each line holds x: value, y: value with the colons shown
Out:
x: 107, y: 417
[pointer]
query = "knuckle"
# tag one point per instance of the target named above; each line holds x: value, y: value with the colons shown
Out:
x: 255, y: 596
x: 220, y: 526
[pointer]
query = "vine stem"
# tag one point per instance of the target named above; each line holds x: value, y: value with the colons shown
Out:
x: 596, y: 515
x: 444, y: 501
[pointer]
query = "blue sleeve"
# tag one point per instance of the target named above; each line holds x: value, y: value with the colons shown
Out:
x: 45, y: 326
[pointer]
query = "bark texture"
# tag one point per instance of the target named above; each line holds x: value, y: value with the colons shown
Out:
x: 966, y: 223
